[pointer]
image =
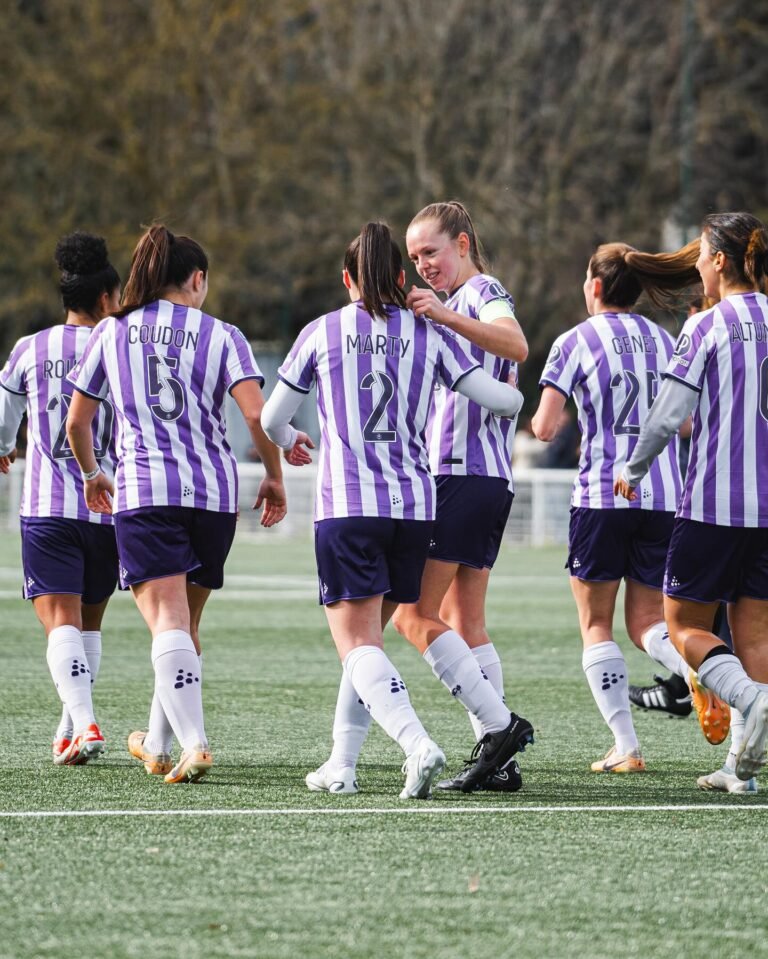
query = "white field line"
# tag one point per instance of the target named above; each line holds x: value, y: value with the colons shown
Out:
x: 409, y: 811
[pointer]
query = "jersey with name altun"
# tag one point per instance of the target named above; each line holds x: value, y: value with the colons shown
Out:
x: 375, y: 379
x: 464, y: 438
x: 612, y: 365
x: 37, y: 369
x: 168, y: 368
x: 722, y: 354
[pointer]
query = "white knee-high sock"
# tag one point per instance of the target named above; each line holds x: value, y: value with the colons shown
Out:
x: 657, y: 644
x: 177, y: 685
x: 351, y: 723
x: 737, y: 738
x: 488, y: 660
x: 383, y: 691
x: 725, y: 676
x: 69, y: 669
x: 92, y: 649
x: 459, y: 671
x: 606, y: 673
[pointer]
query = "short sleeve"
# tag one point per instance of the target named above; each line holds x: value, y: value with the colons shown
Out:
x: 562, y: 366
x: 299, y: 368
x: 453, y: 363
x: 689, y: 359
x: 89, y: 376
x: 241, y: 363
x: 13, y: 375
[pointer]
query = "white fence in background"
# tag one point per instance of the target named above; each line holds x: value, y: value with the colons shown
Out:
x: 539, y: 514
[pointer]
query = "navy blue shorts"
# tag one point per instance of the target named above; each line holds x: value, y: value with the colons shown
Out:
x: 605, y: 545
x: 158, y: 541
x: 68, y: 556
x: 472, y: 512
x: 363, y: 556
x: 709, y: 563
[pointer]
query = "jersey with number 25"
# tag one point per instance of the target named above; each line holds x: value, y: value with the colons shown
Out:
x: 37, y: 370
x: 375, y: 380
x: 167, y: 368
x: 612, y: 364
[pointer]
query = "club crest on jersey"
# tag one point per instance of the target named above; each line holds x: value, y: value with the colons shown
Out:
x: 497, y: 292
x: 683, y: 345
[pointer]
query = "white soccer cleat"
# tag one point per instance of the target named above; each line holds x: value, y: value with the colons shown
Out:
x: 726, y: 781
x: 421, y: 769
x: 751, y: 757
x: 329, y: 780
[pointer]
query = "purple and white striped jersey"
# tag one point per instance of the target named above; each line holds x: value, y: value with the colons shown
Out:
x: 167, y: 368
x: 37, y: 369
x: 722, y: 353
x: 612, y: 364
x: 465, y: 439
x: 375, y: 379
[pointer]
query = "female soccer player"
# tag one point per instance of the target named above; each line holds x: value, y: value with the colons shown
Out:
x: 167, y: 366
x: 719, y: 547
x: 69, y: 556
x: 611, y: 365
x: 470, y: 451
x: 375, y: 365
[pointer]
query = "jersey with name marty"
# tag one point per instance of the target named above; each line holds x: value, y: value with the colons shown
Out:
x: 37, y: 370
x: 464, y: 438
x: 168, y: 368
x: 722, y: 354
x: 375, y: 379
x: 612, y: 364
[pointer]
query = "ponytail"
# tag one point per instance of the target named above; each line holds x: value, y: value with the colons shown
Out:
x: 374, y: 263
x: 160, y: 260
x: 756, y: 257
x: 453, y: 218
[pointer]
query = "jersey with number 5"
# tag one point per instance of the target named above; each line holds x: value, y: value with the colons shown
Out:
x: 168, y: 368
x: 375, y: 379
x: 611, y: 364
x: 37, y: 370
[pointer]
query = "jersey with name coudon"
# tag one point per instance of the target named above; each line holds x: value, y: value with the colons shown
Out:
x: 375, y: 379
x: 464, y: 438
x: 722, y: 354
x: 168, y: 368
x: 612, y: 364
x: 37, y: 369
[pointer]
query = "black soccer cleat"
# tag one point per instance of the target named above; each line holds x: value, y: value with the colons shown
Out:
x: 507, y: 780
x: 492, y: 754
x: 669, y: 696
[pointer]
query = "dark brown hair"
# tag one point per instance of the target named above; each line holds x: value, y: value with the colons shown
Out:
x: 374, y: 263
x: 85, y: 271
x: 454, y: 219
x: 743, y: 240
x: 160, y: 260
x: 627, y: 272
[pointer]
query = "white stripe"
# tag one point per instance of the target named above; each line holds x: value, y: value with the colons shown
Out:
x: 382, y: 811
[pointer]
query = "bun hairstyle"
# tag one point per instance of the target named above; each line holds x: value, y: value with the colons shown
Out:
x: 86, y: 272
x: 454, y: 219
x: 160, y: 261
x: 374, y: 263
x: 743, y: 240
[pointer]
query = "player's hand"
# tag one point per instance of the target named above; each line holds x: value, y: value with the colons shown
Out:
x: 622, y: 488
x: 426, y: 303
x: 272, y: 495
x: 98, y: 494
x: 6, y: 461
x: 297, y: 455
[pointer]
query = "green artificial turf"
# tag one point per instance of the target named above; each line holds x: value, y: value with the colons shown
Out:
x: 512, y: 877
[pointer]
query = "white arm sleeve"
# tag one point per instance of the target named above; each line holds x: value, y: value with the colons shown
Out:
x: 500, y: 398
x: 278, y: 411
x: 12, y: 407
x: 672, y: 407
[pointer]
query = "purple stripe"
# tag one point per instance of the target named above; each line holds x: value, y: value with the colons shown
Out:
x: 417, y: 443
x: 603, y: 374
x: 367, y: 398
x: 128, y: 411
x: 761, y: 425
x: 736, y: 420
x: 335, y: 361
x: 395, y: 369
x: 42, y: 350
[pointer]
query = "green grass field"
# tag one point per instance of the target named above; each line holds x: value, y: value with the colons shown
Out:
x: 249, y: 863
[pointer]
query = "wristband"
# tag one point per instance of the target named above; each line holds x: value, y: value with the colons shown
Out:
x: 92, y: 475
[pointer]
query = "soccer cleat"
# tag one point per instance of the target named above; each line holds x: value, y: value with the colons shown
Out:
x: 493, y: 752
x: 85, y: 746
x: 192, y: 766
x: 328, y: 780
x: 421, y: 769
x: 669, y: 696
x: 156, y: 764
x: 59, y: 748
x: 714, y: 714
x: 612, y: 762
x: 725, y: 780
x: 751, y: 756
x: 507, y: 780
